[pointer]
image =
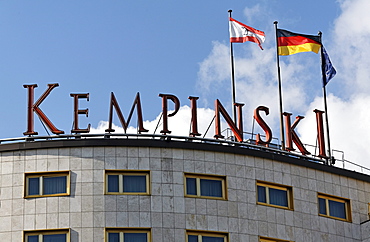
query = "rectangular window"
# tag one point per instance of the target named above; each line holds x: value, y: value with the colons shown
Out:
x: 57, y: 235
x: 275, y: 195
x: 127, y: 182
x: 127, y: 235
x: 201, y: 236
x: 334, y: 207
x: 265, y: 239
x: 43, y: 184
x: 207, y: 186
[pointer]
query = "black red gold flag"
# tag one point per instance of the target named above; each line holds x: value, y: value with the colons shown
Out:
x: 290, y: 43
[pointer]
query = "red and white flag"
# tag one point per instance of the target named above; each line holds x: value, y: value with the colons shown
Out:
x: 240, y: 33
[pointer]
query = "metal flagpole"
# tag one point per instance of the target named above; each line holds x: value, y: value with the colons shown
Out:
x: 329, y: 161
x: 280, y: 92
x: 327, y: 125
x: 232, y: 76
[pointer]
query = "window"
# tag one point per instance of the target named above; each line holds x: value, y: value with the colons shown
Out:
x: 275, y: 195
x: 127, y: 182
x: 208, y: 186
x: 200, y: 236
x: 334, y: 207
x: 43, y: 184
x: 58, y: 235
x: 127, y: 235
x: 265, y: 239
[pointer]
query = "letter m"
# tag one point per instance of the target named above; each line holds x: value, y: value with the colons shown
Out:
x: 114, y: 104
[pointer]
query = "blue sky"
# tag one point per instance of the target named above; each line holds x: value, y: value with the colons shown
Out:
x: 181, y: 48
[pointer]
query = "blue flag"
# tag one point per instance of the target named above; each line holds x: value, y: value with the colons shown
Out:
x: 327, y: 67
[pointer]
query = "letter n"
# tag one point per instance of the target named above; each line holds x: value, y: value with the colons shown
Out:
x: 238, y: 132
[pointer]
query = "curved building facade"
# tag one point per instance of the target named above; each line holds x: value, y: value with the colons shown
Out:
x: 147, y: 189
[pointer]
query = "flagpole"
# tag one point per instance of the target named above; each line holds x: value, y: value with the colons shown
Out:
x: 329, y: 160
x: 280, y: 92
x: 232, y: 76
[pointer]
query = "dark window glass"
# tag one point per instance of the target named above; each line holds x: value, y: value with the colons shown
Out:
x: 337, y: 209
x: 322, y: 206
x: 113, y: 183
x: 191, y: 187
x: 211, y: 188
x: 134, y: 183
x: 278, y: 197
x: 33, y: 238
x: 113, y: 237
x: 212, y: 239
x: 192, y: 238
x: 55, y: 238
x: 135, y: 237
x: 55, y: 185
x: 33, y: 186
x: 261, y: 194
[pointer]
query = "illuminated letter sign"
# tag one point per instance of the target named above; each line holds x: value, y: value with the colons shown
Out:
x: 114, y: 103
x: 263, y: 125
x: 77, y: 111
x: 291, y: 135
x: 238, y: 132
x: 165, y: 116
x: 34, y: 107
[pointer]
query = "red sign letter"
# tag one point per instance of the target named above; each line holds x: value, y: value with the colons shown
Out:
x: 176, y: 101
x: 238, y: 132
x: 320, y: 133
x: 194, y: 119
x: 77, y: 111
x: 263, y: 125
x: 291, y: 135
x: 34, y: 107
x: 114, y: 103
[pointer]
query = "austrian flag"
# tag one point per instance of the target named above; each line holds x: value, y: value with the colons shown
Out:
x: 240, y: 33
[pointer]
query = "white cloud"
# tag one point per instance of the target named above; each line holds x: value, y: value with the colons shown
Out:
x: 253, y: 12
x: 215, y: 69
x: 352, y: 46
x: 348, y: 126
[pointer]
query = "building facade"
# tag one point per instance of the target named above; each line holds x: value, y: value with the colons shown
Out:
x: 148, y: 189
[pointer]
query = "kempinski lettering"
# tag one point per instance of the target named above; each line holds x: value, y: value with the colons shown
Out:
x: 235, y: 126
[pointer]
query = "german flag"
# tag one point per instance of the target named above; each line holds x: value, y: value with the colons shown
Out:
x: 290, y: 43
